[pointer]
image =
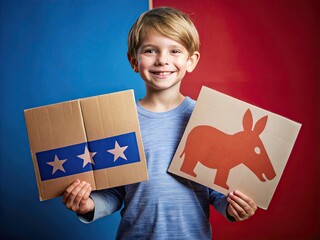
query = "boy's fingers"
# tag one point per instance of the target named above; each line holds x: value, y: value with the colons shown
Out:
x: 71, y: 202
x: 234, y: 213
x: 246, y: 199
x: 85, y: 205
x: 243, y: 201
x: 243, y: 206
x: 238, y: 212
x: 87, y: 193
x: 69, y: 190
x: 72, y: 199
x: 81, y: 194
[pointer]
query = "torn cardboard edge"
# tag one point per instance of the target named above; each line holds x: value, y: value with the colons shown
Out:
x: 67, y: 142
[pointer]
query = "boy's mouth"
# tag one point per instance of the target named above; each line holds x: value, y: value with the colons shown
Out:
x: 166, y: 73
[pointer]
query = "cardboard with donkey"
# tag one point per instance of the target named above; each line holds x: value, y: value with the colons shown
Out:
x: 95, y: 139
x: 229, y: 144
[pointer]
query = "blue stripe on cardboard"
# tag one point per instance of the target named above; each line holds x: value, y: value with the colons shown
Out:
x: 72, y: 165
x: 102, y: 158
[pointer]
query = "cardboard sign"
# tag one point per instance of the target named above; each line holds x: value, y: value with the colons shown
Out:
x: 94, y: 139
x: 229, y: 144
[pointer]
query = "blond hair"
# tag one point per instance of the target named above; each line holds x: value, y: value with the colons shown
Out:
x: 169, y: 22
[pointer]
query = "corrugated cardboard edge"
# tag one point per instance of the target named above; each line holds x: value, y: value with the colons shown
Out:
x: 36, y: 169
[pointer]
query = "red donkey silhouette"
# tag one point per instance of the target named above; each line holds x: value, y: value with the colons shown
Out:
x: 218, y: 150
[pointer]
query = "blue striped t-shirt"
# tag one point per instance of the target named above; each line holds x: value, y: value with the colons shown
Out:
x: 166, y: 206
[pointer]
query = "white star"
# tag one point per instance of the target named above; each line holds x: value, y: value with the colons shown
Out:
x: 57, y: 164
x: 87, y: 157
x: 118, y: 152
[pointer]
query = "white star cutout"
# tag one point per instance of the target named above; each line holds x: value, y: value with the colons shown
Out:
x: 87, y: 157
x: 118, y: 152
x: 57, y: 164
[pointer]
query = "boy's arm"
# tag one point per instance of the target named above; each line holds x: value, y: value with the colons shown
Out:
x: 220, y: 203
x: 106, y: 202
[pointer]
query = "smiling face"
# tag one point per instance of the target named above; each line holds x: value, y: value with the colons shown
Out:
x: 162, y: 62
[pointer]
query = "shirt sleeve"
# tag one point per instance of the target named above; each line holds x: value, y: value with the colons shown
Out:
x: 220, y: 203
x: 106, y: 202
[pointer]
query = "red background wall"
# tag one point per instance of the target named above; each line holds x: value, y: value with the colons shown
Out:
x: 266, y: 53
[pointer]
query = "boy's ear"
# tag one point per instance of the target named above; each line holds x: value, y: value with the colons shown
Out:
x: 192, y: 61
x: 133, y: 62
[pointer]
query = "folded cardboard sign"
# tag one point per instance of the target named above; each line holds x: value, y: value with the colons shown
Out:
x: 95, y: 139
x: 229, y: 144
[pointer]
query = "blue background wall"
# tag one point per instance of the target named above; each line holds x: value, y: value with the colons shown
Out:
x: 53, y: 51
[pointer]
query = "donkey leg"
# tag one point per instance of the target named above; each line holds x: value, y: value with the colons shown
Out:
x: 188, y: 166
x: 221, y: 178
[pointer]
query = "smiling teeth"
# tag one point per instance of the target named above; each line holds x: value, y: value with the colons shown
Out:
x: 162, y: 73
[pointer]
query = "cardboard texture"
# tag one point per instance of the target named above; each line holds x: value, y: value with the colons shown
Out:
x: 95, y: 139
x: 229, y: 144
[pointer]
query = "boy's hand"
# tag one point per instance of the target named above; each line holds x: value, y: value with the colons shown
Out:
x: 241, y: 207
x: 76, y: 197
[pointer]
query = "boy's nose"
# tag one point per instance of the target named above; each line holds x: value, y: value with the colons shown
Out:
x: 162, y: 59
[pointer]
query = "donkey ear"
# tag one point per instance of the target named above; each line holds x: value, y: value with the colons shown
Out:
x: 247, y: 121
x: 260, y: 125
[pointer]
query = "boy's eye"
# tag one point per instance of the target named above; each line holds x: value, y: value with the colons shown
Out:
x: 150, y: 50
x: 176, y: 51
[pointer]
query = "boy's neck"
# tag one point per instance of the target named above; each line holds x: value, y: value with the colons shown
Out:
x: 161, y: 101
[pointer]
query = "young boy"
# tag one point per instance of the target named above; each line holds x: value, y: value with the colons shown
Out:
x: 163, y: 45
